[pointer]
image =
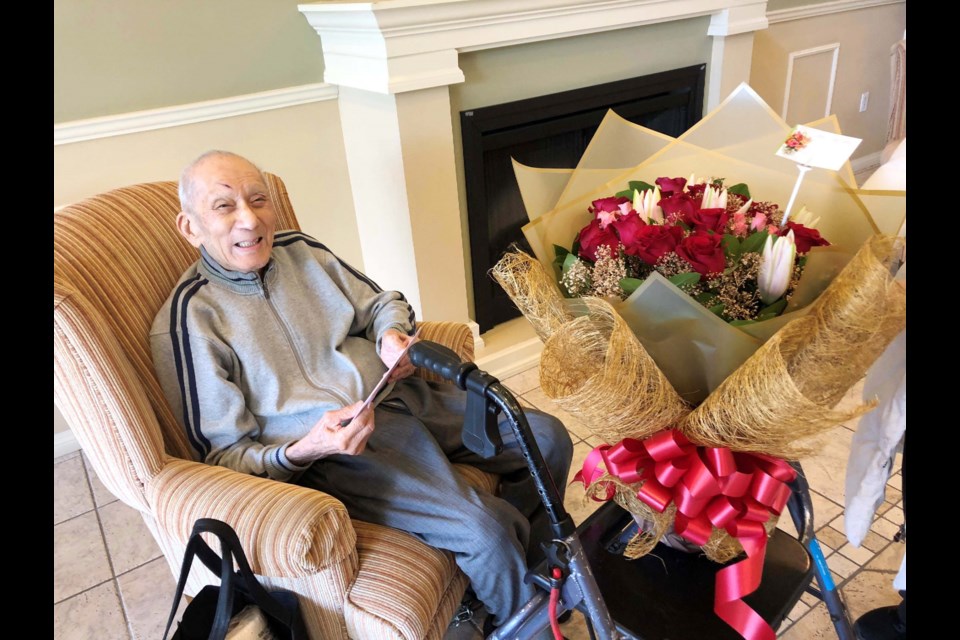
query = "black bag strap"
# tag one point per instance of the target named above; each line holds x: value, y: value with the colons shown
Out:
x: 222, y: 565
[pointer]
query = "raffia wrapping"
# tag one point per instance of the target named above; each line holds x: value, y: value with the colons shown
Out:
x: 787, y: 390
x: 594, y: 367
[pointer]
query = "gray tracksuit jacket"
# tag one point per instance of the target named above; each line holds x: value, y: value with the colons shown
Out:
x: 249, y: 365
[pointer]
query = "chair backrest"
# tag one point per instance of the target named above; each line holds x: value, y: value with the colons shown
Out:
x: 116, y: 259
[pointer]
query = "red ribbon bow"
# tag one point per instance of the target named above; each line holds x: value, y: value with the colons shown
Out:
x: 712, y: 487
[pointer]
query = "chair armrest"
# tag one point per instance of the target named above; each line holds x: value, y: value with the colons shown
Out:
x: 286, y: 530
x: 455, y: 335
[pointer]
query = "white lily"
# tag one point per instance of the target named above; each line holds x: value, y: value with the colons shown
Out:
x: 714, y: 198
x: 645, y: 204
x: 776, y: 267
x: 805, y: 217
x: 746, y: 207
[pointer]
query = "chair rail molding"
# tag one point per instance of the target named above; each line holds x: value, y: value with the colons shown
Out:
x: 824, y: 9
x: 179, y: 115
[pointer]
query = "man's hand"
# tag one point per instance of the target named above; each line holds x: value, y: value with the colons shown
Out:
x: 327, y: 437
x: 392, y: 344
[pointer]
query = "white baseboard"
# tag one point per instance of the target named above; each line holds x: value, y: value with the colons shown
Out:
x: 63, y: 443
x: 865, y: 163
x: 512, y: 360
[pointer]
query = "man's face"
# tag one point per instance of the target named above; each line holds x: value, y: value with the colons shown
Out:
x: 232, y: 216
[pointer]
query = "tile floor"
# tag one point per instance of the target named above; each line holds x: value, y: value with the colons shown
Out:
x: 111, y: 581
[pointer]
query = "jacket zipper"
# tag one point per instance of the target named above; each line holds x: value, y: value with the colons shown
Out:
x: 296, y: 354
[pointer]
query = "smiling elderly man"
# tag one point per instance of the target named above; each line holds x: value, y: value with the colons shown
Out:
x: 269, y: 341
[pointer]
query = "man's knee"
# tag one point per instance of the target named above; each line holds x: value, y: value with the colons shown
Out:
x: 552, y: 439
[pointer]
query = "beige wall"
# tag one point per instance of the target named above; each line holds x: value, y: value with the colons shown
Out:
x: 865, y: 37
x: 502, y: 75
x: 301, y: 144
x: 116, y: 56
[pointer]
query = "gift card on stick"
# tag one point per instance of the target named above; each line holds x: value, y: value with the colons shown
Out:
x: 816, y: 148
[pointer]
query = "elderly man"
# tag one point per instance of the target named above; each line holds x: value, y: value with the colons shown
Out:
x: 269, y: 342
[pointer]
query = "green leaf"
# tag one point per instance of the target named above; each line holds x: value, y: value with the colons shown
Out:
x: 639, y: 185
x: 568, y: 262
x: 754, y: 242
x: 716, y: 309
x: 629, y: 285
x: 575, y: 249
x: 705, y: 298
x: 626, y: 193
x: 731, y: 246
x: 561, y: 255
x: 740, y: 323
x: 802, y: 261
x: 685, y: 279
x: 772, y: 310
x: 740, y: 189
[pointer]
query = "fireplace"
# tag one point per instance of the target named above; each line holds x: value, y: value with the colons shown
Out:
x: 551, y: 131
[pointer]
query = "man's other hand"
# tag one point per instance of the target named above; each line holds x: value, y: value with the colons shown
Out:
x: 327, y: 437
x: 392, y: 344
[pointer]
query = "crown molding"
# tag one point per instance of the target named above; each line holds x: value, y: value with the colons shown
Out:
x: 179, y: 115
x: 403, y: 45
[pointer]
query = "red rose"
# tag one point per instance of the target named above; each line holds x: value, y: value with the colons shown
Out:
x: 696, y: 190
x: 676, y: 206
x: 671, y: 186
x: 704, y: 252
x: 804, y: 237
x: 712, y: 219
x: 654, y: 240
x: 592, y: 236
x: 628, y: 226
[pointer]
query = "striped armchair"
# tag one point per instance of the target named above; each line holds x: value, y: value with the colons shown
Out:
x: 116, y: 258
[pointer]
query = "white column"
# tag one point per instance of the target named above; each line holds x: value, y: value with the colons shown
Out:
x: 731, y: 53
x: 400, y: 156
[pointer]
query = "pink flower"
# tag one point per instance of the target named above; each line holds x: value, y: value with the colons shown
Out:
x: 739, y: 224
x: 607, y: 210
x: 758, y: 221
x: 773, y: 229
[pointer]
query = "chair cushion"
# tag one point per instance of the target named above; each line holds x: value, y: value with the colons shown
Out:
x: 404, y: 588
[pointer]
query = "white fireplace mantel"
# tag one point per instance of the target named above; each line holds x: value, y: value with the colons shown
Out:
x: 393, y: 62
x: 393, y: 46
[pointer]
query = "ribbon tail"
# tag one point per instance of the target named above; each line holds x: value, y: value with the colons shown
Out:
x: 739, y: 580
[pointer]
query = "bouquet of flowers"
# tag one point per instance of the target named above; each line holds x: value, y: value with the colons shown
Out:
x: 717, y: 244
x: 663, y: 335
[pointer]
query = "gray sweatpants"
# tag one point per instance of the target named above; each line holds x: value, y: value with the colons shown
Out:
x: 404, y: 479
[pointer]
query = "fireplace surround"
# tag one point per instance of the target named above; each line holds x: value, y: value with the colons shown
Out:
x: 394, y: 61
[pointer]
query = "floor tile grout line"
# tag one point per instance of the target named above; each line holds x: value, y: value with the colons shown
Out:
x: 88, y: 589
x: 79, y: 515
x: 106, y: 547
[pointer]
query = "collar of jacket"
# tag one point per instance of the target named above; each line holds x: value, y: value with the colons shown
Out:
x: 245, y: 282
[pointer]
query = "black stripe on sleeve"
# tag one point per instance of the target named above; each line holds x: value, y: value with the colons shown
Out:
x: 183, y: 360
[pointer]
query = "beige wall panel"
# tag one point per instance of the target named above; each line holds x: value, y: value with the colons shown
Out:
x: 116, y: 56
x: 865, y: 37
x: 524, y: 71
x: 810, y: 87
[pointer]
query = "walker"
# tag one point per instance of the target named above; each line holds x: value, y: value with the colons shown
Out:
x: 665, y: 595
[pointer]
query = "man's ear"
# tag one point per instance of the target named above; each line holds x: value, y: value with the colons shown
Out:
x: 185, y: 225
